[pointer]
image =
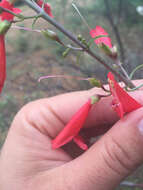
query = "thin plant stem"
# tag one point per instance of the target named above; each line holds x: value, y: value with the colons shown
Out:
x: 122, y: 68
x: 74, y: 48
x: 7, y: 10
x: 133, y: 72
x: 62, y: 76
x: 39, y: 31
x: 136, y: 88
x: 131, y: 184
x: 26, y: 29
x: 82, y: 18
x: 20, y: 16
x: 76, y: 41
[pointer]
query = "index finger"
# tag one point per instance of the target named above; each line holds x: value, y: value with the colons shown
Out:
x: 52, y: 114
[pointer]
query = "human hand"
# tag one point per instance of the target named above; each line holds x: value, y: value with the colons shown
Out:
x: 28, y: 162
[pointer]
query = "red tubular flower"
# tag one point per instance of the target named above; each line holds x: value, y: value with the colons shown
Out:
x: 47, y: 7
x: 80, y: 142
x: 122, y: 103
x: 72, y: 129
x: 98, y: 31
x: 2, y: 62
x: 5, y: 22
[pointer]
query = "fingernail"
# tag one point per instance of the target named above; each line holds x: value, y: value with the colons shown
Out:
x: 140, y: 126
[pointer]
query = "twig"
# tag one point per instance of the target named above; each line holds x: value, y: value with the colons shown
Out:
x: 62, y: 76
x: 77, y: 10
x: 74, y: 48
x: 8, y: 11
x: 75, y: 40
x: 119, y: 64
x: 20, y: 16
x: 133, y: 72
x: 115, y: 28
x: 26, y: 29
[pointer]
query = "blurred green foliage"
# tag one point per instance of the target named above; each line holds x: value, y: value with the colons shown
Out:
x: 8, y: 108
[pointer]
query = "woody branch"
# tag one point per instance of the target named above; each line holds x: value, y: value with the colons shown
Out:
x: 73, y: 38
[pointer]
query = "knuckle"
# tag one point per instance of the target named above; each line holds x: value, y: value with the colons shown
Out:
x: 27, y: 113
x: 117, y: 157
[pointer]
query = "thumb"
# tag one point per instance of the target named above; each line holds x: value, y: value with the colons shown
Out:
x: 112, y: 158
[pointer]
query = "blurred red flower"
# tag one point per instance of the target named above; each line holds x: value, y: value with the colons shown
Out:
x: 5, y: 15
x: 98, y: 31
x: 47, y: 7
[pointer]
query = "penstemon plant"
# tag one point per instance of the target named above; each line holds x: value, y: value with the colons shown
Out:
x: 122, y: 102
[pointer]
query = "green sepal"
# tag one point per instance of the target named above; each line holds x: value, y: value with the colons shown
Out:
x: 105, y: 49
x: 4, y: 26
x: 111, y: 52
x: 95, y: 82
x: 100, y: 36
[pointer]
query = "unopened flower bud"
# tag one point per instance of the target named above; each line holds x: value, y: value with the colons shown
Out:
x: 105, y: 49
x: 65, y: 53
x: 111, y: 52
x: 114, y: 52
x: 79, y: 37
x: 4, y: 26
x: 52, y: 35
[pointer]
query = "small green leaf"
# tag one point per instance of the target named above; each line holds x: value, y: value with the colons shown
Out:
x: 95, y: 82
x: 65, y: 53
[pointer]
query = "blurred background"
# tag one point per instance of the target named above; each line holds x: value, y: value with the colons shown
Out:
x: 30, y: 55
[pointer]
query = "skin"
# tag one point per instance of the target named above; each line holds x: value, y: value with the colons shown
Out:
x: 28, y: 162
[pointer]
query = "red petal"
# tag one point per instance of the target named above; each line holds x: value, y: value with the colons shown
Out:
x: 47, y: 7
x: 16, y: 10
x: 80, y: 142
x: 2, y: 62
x: 123, y: 102
x: 73, y: 127
x: 7, y: 16
x: 100, y: 31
